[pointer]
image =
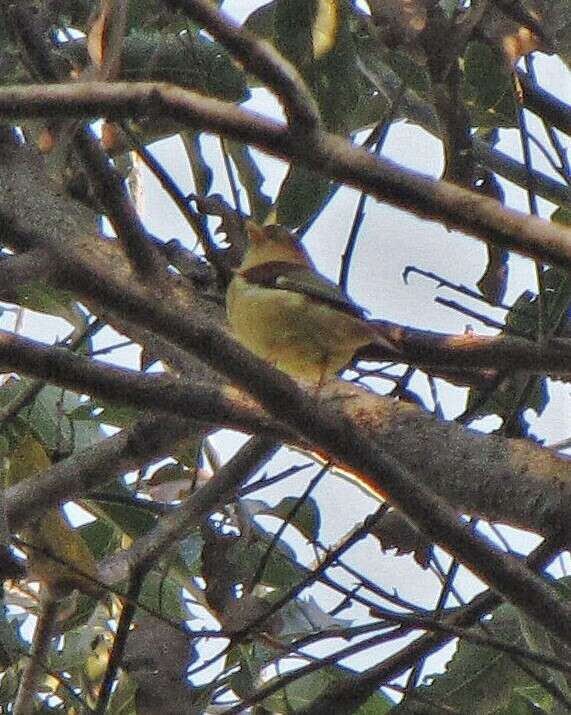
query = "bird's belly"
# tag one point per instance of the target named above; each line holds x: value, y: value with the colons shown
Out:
x: 300, y: 336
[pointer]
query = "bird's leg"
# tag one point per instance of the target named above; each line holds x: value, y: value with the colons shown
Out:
x: 323, y: 379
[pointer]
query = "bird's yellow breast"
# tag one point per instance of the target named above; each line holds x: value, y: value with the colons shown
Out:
x: 306, y: 338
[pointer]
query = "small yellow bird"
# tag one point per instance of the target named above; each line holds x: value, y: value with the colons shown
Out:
x: 287, y: 313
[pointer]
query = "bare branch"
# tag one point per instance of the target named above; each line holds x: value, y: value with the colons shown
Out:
x: 211, y: 403
x: 513, y: 481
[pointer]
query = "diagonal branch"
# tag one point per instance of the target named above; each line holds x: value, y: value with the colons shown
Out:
x: 513, y: 481
x: 118, y: 206
x: 219, y: 490
x: 332, y: 156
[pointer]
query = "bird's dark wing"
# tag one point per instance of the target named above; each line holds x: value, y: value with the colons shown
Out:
x: 282, y: 275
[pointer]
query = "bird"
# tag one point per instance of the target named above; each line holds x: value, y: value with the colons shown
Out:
x: 284, y: 311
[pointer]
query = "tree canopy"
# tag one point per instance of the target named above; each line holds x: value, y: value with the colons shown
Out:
x: 176, y: 581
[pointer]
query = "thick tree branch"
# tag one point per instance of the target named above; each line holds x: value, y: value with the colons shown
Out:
x: 211, y: 403
x: 332, y: 156
x: 513, y: 481
x: 478, y: 353
x: 18, y: 271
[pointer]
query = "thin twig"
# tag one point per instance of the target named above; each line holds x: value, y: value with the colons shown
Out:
x: 29, y: 684
x: 356, y: 690
x: 256, y: 578
x: 119, y: 208
x: 120, y: 641
x: 377, y: 138
x: 196, y: 221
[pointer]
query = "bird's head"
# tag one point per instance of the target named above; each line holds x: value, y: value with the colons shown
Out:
x: 272, y: 243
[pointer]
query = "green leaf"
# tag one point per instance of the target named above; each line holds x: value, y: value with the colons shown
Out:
x: 11, y: 645
x: 346, y: 105
x: 28, y: 458
x: 57, y: 537
x: 153, y: 15
x: 9, y: 687
x: 190, y: 552
x: 307, y: 518
x: 377, y: 704
x: 189, y: 59
x: 261, y: 20
x: 163, y: 595
x: 411, y: 74
x: 101, y: 537
x: 518, y: 390
x: 478, y: 680
x: 329, y: 68
x: 523, y: 702
x: 247, y: 657
x: 301, y: 693
x: 487, y: 87
x: 562, y: 215
x: 105, y: 413
x: 302, y: 617
x: 301, y: 196
x: 80, y: 611
x: 293, y: 20
x: 123, y: 701
x: 281, y: 569
x: 134, y: 521
x: 53, y: 419
x: 43, y: 298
